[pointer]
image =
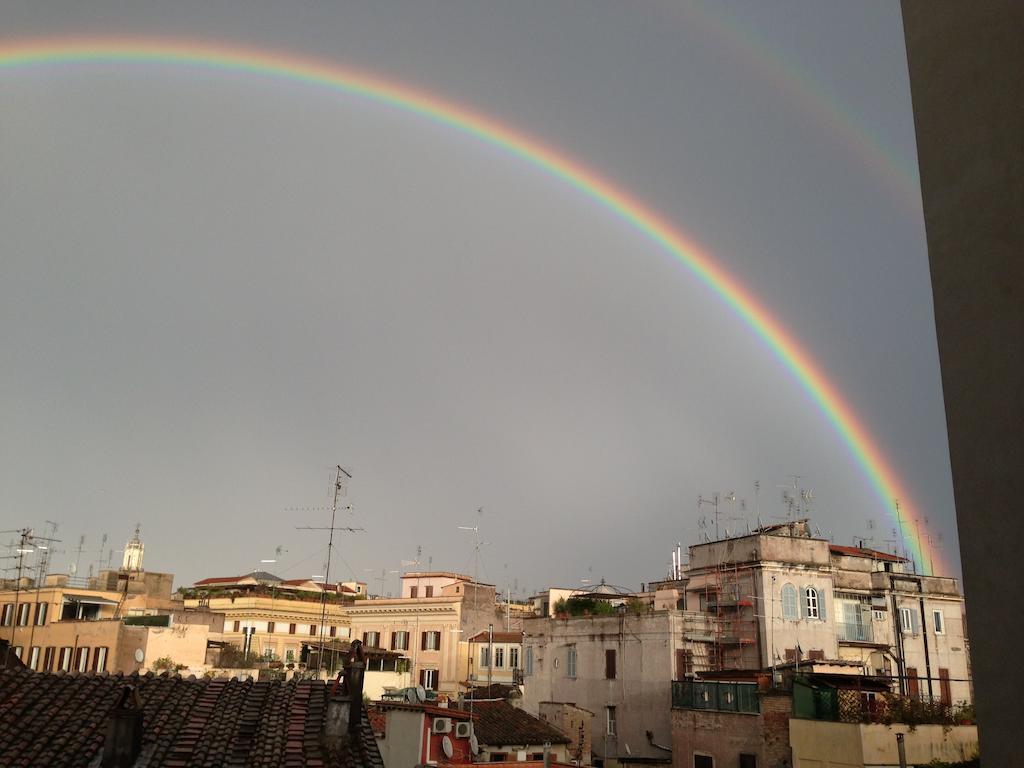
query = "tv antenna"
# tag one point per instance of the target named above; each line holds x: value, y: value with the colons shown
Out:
x: 340, y: 489
x: 477, y: 545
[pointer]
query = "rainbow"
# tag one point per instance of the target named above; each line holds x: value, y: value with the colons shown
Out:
x: 877, y: 468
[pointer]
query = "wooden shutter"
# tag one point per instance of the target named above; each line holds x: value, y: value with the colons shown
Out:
x: 423, y: 642
x: 945, y: 695
x: 912, y: 685
x: 609, y: 663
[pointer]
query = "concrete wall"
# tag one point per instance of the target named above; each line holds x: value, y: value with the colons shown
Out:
x: 575, y: 722
x: 376, y: 682
x: 965, y: 61
x: 641, y: 691
x: 404, y: 738
x: 841, y: 745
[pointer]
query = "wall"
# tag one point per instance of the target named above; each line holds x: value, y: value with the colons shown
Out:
x: 183, y: 643
x: 402, y: 744
x: 819, y: 744
x: 641, y: 691
x: 575, y: 722
x: 725, y: 735
x: 375, y: 683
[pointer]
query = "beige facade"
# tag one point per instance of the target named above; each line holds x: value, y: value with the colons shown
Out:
x: 279, y: 625
x: 429, y: 630
x: 818, y: 744
x: 575, y: 722
x: 56, y: 626
x: 618, y: 667
x: 492, y: 657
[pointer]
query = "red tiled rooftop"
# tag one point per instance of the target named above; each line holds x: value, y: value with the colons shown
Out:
x: 59, y: 721
x: 499, y: 637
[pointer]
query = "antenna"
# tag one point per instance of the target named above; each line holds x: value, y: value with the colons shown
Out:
x: 340, y: 490
x: 713, y: 501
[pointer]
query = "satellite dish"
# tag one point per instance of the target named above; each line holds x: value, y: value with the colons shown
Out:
x: 139, y: 655
x: 446, y: 745
x: 411, y: 697
x: 474, y: 744
x: 421, y: 694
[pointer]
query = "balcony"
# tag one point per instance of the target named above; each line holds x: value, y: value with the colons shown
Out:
x: 848, y: 632
x: 719, y: 696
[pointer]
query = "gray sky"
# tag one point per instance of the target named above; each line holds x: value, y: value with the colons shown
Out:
x: 215, y: 286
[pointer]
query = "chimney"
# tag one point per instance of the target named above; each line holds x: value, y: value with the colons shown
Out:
x: 345, y: 702
x: 123, y: 741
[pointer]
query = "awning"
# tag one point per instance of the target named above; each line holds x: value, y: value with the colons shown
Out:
x: 90, y: 599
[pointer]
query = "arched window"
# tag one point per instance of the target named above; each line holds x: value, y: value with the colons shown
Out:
x: 811, y: 603
x: 789, y: 608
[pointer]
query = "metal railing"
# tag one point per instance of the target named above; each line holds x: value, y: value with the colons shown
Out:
x: 716, y: 695
x: 853, y: 632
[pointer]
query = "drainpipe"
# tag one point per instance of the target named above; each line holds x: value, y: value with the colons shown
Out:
x: 901, y: 665
x: 924, y: 638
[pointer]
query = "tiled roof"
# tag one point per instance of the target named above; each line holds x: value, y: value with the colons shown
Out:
x: 218, y: 580
x: 60, y: 721
x: 499, y: 723
x: 864, y: 552
x: 499, y: 637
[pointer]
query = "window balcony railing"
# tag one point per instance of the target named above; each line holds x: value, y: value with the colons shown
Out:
x: 854, y: 633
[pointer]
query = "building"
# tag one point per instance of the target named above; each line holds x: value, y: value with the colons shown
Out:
x: 60, y: 721
x: 422, y: 734
x: 575, y: 722
x: 116, y: 622
x: 270, y: 617
x: 493, y: 657
x: 780, y: 595
x: 428, y: 623
x: 619, y: 667
x: 506, y: 733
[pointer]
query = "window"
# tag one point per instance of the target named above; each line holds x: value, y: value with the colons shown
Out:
x: 811, y: 603
x: 24, y: 611
x: 609, y: 664
x: 513, y: 658
x: 291, y: 629
x: 8, y: 615
x: 499, y: 658
x: 238, y: 626
x: 399, y: 641
x: 703, y: 761
x: 334, y: 631
x: 428, y: 679
x: 684, y: 663
x: 908, y: 621
x: 485, y: 657
x: 609, y: 720
x: 41, y: 614
x: 312, y: 629
x: 82, y: 659
x: 64, y: 663
x: 529, y: 660
x: 938, y: 622
x: 48, y: 656
x: 33, y: 657
x: 816, y: 655
x: 371, y: 639
x: 747, y: 760
x: 17, y: 652
x: 414, y: 591
x: 430, y: 641
x: 789, y: 610
x: 878, y: 615
x: 429, y: 591
x: 498, y: 757
x: 289, y: 654
x: 270, y: 627
x: 570, y: 663
x: 99, y: 659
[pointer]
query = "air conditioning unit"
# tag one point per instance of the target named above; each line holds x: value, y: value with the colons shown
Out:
x: 463, y: 730
x: 441, y: 725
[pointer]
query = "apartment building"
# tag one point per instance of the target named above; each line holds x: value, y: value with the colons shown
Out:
x: 271, y: 617
x: 437, y: 612
x: 493, y: 657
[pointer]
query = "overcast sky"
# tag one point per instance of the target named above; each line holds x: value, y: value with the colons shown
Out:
x: 216, y: 286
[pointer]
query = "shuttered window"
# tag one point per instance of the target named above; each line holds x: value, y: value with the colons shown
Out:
x: 609, y: 663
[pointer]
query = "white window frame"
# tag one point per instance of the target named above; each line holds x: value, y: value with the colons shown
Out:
x: 499, y: 657
x: 513, y: 658
x: 906, y: 620
x: 64, y: 658
x: 7, y: 616
x: 41, y: 612
x: 938, y: 626
x: 33, y: 657
x: 485, y: 657
x: 811, y: 603
x: 24, y: 614
x: 100, y: 659
x: 611, y: 724
x: 375, y: 636
x: 430, y: 679
x: 400, y: 640
x: 432, y: 641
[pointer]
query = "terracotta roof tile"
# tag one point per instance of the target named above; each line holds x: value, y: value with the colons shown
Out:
x: 499, y: 723
x: 59, y: 720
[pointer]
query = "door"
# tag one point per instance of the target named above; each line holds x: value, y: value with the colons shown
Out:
x: 946, y: 697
